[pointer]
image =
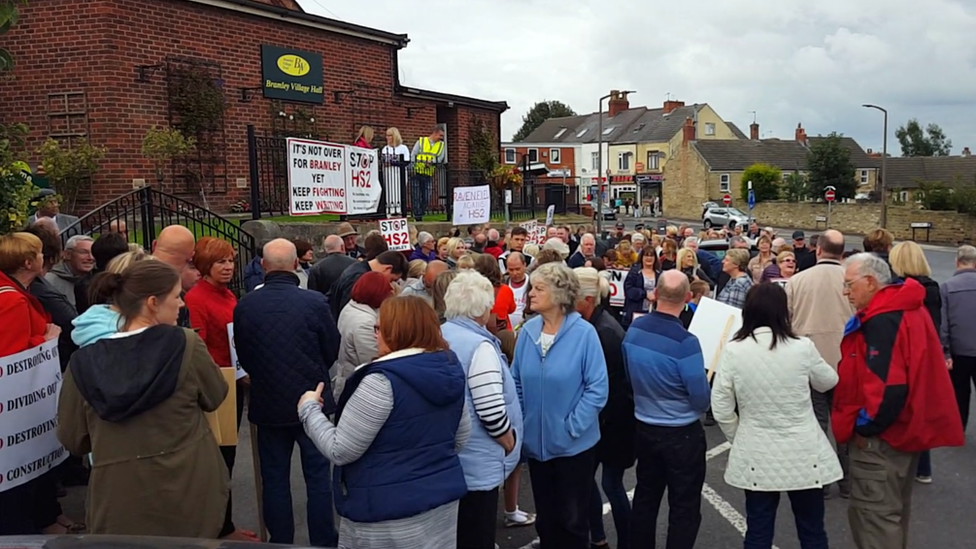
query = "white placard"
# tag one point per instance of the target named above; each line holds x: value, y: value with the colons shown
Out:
x: 236, y: 362
x: 472, y: 205
x: 30, y: 383
x: 714, y: 324
x: 317, y: 174
x: 616, y: 278
x: 508, y: 196
x: 396, y: 233
x: 529, y: 226
x: 362, y: 181
x: 550, y: 212
x: 540, y: 233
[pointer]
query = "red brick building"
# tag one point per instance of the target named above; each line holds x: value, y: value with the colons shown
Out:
x: 559, y: 159
x: 104, y: 70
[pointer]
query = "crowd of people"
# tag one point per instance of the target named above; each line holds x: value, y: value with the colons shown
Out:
x: 417, y: 384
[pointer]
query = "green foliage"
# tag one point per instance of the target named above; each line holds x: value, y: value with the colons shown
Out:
x: 539, y: 113
x: 16, y: 190
x: 829, y: 164
x: 162, y: 145
x: 482, y: 148
x: 9, y: 14
x: 966, y: 200
x: 915, y: 141
x: 765, y: 182
x: 197, y: 100
x: 936, y: 196
x: 796, y: 187
x: 70, y: 170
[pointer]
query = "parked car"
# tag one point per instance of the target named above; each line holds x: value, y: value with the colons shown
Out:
x: 708, y: 206
x: 609, y: 213
x: 718, y: 247
x: 723, y: 216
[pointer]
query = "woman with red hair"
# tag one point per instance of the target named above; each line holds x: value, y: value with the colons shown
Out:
x: 211, y: 305
x: 355, y: 325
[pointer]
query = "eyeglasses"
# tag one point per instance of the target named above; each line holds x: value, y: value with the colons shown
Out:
x: 848, y: 285
x: 788, y: 261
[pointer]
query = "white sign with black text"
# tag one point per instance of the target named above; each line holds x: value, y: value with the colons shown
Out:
x: 616, y: 278
x: 238, y: 369
x: 396, y: 233
x: 550, y: 213
x: 329, y: 178
x: 472, y: 205
x: 30, y: 383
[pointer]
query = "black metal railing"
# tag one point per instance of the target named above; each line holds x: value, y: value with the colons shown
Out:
x: 142, y: 213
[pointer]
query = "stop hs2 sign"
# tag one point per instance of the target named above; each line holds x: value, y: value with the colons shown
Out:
x: 396, y: 233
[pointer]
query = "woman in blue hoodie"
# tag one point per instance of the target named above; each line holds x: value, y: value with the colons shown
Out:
x: 561, y: 377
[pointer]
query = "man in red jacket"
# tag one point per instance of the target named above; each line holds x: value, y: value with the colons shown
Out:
x: 893, y: 401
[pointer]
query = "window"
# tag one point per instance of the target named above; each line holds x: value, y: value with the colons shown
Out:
x: 864, y: 177
x: 533, y: 155
x: 509, y: 156
x: 609, y: 130
x: 709, y: 128
x: 723, y: 181
x: 559, y: 133
x: 581, y: 132
x: 786, y: 175
x: 623, y: 161
x: 554, y: 156
x: 653, y: 160
x: 595, y: 161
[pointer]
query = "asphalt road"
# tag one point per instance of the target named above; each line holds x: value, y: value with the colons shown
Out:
x: 941, y: 516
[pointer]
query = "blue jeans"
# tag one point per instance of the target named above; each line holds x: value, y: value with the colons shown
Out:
x: 420, y: 191
x: 924, y: 464
x: 613, y: 486
x: 808, y: 512
x: 275, y: 446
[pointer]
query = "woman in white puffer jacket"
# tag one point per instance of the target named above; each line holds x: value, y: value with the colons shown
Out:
x: 761, y: 400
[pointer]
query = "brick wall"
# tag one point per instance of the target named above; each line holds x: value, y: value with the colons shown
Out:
x: 567, y: 157
x: 95, y: 46
x: 685, y: 181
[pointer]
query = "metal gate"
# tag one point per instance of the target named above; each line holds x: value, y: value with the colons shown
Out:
x: 145, y: 211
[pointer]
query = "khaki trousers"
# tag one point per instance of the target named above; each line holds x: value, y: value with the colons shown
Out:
x: 881, y: 494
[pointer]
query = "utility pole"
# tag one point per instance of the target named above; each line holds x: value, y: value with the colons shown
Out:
x: 884, y: 158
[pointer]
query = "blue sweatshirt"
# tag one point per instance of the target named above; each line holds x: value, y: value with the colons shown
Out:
x: 666, y: 368
x: 98, y: 322
x: 563, y: 393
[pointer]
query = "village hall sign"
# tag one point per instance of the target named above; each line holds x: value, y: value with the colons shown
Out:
x: 291, y: 75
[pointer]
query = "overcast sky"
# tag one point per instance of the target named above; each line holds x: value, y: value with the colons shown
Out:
x: 790, y: 60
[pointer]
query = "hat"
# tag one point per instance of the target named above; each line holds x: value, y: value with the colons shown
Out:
x: 798, y: 235
x: 620, y: 225
x: 558, y: 245
x: 345, y: 229
x: 639, y: 227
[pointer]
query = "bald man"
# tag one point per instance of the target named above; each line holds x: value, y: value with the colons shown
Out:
x: 174, y: 246
x: 327, y: 270
x: 422, y: 287
x: 287, y: 339
x: 666, y: 368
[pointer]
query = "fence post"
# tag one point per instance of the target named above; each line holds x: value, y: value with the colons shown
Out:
x: 252, y: 161
x: 150, y: 221
x: 448, y: 192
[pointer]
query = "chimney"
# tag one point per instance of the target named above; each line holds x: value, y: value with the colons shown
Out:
x: 801, y: 134
x: 965, y: 152
x: 689, y: 130
x: 618, y: 103
x: 671, y: 106
x: 754, y: 131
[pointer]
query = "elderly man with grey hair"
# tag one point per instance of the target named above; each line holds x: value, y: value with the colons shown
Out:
x: 423, y: 287
x: 585, y: 252
x: 425, y: 249
x: 327, y: 270
x: 76, y: 266
x: 286, y: 339
x: 496, y: 418
x: 958, y: 331
x: 893, y: 401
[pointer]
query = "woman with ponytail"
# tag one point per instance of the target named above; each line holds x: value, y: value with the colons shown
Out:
x: 135, y: 400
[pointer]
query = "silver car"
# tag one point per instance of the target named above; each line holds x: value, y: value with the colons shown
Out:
x: 723, y: 216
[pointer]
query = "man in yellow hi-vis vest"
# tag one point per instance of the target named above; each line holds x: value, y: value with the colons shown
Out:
x: 428, y: 155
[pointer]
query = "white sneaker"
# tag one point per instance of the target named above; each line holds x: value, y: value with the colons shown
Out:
x: 518, y: 518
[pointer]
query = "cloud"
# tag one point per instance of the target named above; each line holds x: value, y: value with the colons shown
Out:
x: 790, y: 61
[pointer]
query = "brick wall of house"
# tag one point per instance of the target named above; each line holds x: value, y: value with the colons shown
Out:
x: 567, y: 158
x: 94, y: 46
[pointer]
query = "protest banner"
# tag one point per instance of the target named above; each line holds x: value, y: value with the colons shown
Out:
x: 550, y: 213
x: 540, y: 234
x: 329, y: 178
x: 616, y: 278
x: 396, y: 233
x: 714, y: 324
x: 238, y: 369
x: 472, y: 205
x: 529, y: 227
x: 223, y: 420
x: 30, y: 383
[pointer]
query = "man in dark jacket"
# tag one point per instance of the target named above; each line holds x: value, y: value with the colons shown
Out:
x: 893, y: 400
x: 392, y: 264
x: 806, y: 253
x: 286, y: 340
x: 327, y: 270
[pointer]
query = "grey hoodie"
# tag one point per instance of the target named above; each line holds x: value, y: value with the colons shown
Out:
x: 64, y: 280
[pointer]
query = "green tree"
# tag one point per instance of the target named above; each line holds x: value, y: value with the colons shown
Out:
x: 482, y: 147
x: 539, y: 113
x: 829, y: 164
x: 162, y: 145
x: 9, y: 14
x: 915, y: 141
x: 765, y: 182
x: 70, y: 170
x: 796, y: 187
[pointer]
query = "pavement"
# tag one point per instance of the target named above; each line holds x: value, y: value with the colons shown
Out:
x: 941, y: 511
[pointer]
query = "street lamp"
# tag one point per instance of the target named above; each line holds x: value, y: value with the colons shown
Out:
x: 599, y: 147
x: 884, y: 157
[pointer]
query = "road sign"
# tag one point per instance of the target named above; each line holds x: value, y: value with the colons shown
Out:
x: 639, y: 167
x: 752, y: 199
x: 830, y: 195
x: 727, y: 199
